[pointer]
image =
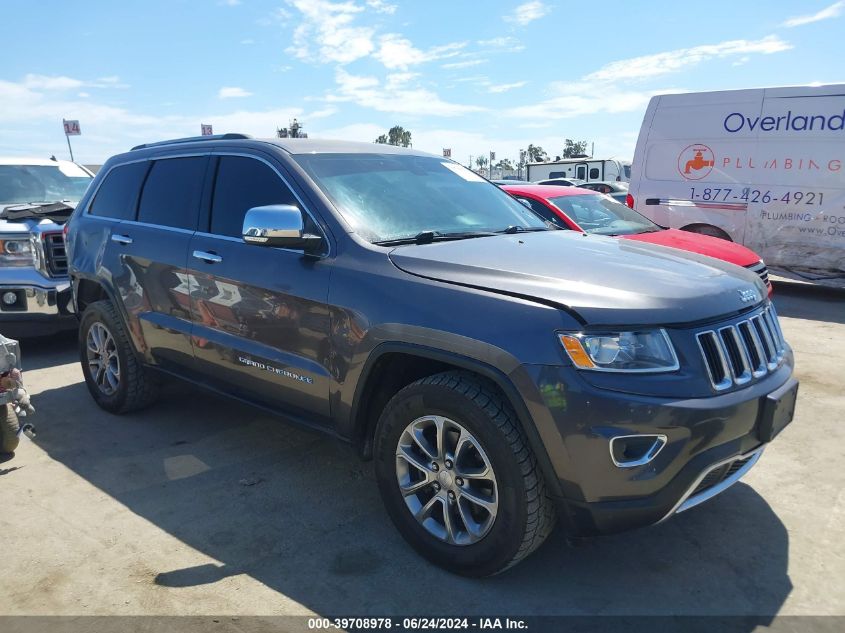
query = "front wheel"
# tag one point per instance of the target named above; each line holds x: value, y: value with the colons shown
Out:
x: 457, y: 476
x: 115, y: 377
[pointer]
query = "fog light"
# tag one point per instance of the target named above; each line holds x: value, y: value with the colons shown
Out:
x: 10, y: 298
x: 629, y: 451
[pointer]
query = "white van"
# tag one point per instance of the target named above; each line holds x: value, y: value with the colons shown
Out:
x: 763, y: 167
x: 585, y: 168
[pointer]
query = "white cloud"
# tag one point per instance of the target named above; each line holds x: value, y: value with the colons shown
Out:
x: 527, y: 12
x: 394, y: 95
x: 229, y: 3
x: 397, y: 52
x: 497, y: 88
x: 498, y: 41
x: 248, y: 42
x: 380, y: 6
x: 329, y: 27
x: 108, y: 130
x: 648, y: 66
x: 832, y: 11
x: 469, y: 63
x: 60, y: 83
x: 232, y: 92
x: 83, y: 95
x: 44, y: 82
x: 583, y: 98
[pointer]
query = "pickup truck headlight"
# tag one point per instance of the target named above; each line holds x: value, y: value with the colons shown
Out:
x: 640, y: 351
x: 16, y: 250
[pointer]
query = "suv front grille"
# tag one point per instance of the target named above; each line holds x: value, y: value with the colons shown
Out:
x: 761, y: 270
x: 748, y: 349
x: 55, y: 254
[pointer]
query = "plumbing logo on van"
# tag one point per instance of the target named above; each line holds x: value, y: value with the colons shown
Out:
x: 696, y: 162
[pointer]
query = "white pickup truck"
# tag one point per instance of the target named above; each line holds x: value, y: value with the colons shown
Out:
x: 36, y: 197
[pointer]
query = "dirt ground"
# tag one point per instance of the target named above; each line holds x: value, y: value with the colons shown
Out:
x: 202, y: 506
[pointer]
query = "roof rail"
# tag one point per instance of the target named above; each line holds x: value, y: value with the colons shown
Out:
x: 193, y: 139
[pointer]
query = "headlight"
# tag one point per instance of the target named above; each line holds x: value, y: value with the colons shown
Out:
x: 648, y: 351
x: 16, y: 250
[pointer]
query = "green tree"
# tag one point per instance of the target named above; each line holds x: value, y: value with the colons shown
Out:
x: 397, y: 135
x: 505, y: 165
x: 571, y: 148
x: 536, y: 154
x: 481, y: 161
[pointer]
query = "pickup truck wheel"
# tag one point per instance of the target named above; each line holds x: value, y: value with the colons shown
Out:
x: 116, y: 379
x: 457, y: 476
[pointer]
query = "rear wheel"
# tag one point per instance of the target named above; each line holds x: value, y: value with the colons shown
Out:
x: 708, y: 229
x: 457, y: 476
x: 115, y: 377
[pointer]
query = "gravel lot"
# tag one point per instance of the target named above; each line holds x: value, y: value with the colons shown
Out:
x: 200, y: 506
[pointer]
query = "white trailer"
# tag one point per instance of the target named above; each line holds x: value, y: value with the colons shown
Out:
x: 761, y: 167
x: 588, y: 169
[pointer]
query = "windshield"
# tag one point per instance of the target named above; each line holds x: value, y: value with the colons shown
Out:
x: 42, y: 183
x: 394, y: 197
x: 602, y: 215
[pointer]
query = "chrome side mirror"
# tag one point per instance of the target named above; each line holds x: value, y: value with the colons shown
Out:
x: 279, y: 225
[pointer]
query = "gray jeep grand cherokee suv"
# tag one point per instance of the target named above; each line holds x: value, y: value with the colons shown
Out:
x: 502, y: 374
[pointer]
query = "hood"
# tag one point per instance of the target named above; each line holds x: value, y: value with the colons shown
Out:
x: 605, y: 281
x: 703, y: 244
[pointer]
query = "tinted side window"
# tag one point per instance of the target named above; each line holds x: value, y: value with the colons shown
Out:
x: 117, y: 197
x: 171, y: 195
x: 243, y: 183
x: 544, y: 212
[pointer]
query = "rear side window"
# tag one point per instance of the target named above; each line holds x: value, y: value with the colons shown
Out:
x: 117, y: 197
x: 171, y: 195
x: 594, y: 173
x: 243, y: 183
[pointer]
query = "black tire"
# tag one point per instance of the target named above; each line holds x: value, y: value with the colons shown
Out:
x: 708, y: 230
x: 8, y: 429
x: 137, y: 387
x: 525, y: 516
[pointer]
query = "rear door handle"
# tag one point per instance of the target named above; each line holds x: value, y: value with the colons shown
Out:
x: 208, y: 257
x: 121, y: 239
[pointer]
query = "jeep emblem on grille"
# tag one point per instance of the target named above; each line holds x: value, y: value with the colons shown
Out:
x: 748, y: 295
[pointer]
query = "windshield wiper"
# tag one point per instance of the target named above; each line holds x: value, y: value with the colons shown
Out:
x: 514, y: 228
x: 427, y: 237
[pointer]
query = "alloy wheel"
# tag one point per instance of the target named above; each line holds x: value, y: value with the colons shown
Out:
x: 446, y: 480
x: 103, y: 361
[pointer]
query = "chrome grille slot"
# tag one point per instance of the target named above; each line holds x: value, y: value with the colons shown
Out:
x: 738, y: 353
x: 766, y: 339
x: 761, y: 271
x: 55, y: 254
x: 714, y: 358
x: 754, y: 347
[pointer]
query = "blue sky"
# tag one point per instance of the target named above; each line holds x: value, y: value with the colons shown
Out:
x: 471, y: 76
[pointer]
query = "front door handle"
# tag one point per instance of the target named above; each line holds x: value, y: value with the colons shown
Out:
x: 121, y: 239
x: 208, y: 257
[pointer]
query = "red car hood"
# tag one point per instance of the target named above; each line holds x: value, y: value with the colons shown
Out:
x: 702, y: 244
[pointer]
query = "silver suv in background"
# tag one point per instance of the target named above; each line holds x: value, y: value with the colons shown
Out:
x: 36, y: 198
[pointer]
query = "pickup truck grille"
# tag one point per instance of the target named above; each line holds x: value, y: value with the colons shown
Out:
x: 761, y: 270
x: 55, y: 254
x: 746, y: 350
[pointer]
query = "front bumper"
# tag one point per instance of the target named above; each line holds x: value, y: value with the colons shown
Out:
x: 709, y: 444
x: 36, y: 304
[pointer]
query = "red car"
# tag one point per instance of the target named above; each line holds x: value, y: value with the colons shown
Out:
x: 590, y: 212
